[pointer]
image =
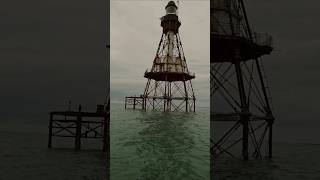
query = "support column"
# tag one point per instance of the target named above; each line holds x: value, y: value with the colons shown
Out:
x: 78, y: 130
x: 270, y: 124
x: 245, y: 137
x: 105, y: 133
x: 270, y: 140
x: 165, y: 97
x: 134, y: 102
x: 50, y: 131
x: 244, y: 117
x: 194, y: 104
x: 145, y: 103
x: 270, y: 116
x: 186, y: 95
x: 108, y: 143
x: 169, y: 98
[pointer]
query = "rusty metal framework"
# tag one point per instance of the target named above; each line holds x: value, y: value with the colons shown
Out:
x: 169, y: 86
x: 79, y: 125
x: 241, y: 108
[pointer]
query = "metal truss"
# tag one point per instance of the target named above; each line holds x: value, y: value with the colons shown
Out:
x: 254, y: 116
x: 241, y: 106
x: 169, y: 86
x: 169, y: 96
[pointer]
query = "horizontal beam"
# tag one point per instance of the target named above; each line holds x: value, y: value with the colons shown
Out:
x: 75, y: 121
x: 170, y: 98
x: 81, y: 114
x: 88, y: 137
x: 236, y: 117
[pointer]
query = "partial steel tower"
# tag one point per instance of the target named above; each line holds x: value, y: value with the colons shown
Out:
x: 240, y: 100
x: 169, y: 85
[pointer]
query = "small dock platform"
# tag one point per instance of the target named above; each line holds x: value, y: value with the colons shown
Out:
x: 78, y: 125
x: 134, y: 102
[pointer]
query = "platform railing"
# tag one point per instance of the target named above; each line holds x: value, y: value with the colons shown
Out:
x: 262, y: 39
x: 173, y: 71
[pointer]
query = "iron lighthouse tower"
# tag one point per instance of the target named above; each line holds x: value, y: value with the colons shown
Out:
x: 241, y: 107
x: 169, y: 86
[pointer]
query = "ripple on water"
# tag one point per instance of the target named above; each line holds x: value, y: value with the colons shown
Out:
x: 158, y: 145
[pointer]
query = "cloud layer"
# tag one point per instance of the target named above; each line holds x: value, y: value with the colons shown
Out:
x: 135, y: 35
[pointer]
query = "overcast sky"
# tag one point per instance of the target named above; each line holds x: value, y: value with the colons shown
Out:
x: 50, y: 52
x: 135, y: 35
x: 293, y: 68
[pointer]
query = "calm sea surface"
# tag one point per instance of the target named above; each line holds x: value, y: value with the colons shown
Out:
x: 290, y: 161
x: 25, y: 156
x: 150, y: 145
x: 144, y: 146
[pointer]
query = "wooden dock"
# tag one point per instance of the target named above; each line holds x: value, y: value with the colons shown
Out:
x: 78, y: 125
x: 134, y: 102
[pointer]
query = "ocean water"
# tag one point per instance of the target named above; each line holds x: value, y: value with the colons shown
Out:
x: 145, y: 145
x: 291, y: 161
x: 151, y: 145
x: 24, y: 156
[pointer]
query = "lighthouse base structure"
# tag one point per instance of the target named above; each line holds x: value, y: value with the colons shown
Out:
x: 169, y: 96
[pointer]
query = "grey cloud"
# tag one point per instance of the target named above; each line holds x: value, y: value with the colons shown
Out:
x: 135, y: 34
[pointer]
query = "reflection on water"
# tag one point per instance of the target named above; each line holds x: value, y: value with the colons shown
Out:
x: 163, y: 144
x: 158, y: 145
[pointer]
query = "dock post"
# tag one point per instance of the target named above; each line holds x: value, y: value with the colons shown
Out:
x: 106, y: 140
x: 134, y: 102
x: 187, y: 106
x: 78, y: 130
x: 50, y: 131
x: 105, y: 133
x: 143, y: 103
x: 108, y: 144
x: 164, y: 104
x: 125, y: 103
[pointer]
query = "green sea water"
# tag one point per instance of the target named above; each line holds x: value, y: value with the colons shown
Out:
x: 151, y: 145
